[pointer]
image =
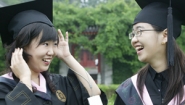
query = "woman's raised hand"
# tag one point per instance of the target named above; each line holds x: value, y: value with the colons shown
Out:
x: 19, y: 66
x: 62, y: 51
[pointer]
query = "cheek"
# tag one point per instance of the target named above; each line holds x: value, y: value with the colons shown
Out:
x: 36, y: 55
x: 151, y: 40
x: 150, y: 45
x: 132, y: 44
x: 55, y: 48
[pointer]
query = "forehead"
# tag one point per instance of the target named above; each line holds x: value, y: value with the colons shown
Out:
x: 142, y: 26
x: 38, y: 38
x: 35, y: 41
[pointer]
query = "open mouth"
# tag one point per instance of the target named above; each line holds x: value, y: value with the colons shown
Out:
x: 139, y: 48
x: 46, y: 60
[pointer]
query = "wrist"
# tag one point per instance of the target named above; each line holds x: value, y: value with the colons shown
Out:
x: 26, y: 81
x: 25, y: 78
x: 66, y: 57
x: 27, y: 84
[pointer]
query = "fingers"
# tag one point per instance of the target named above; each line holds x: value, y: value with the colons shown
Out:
x: 16, y: 56
x: 12, y: 59
x: 66, y: 36
x: 61, y: 36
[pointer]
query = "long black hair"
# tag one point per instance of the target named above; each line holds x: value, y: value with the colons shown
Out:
x: 24, y: 38
x: 176, y: 74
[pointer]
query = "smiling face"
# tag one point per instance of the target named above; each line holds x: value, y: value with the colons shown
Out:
x: 41, y: 54
x: 149, y: 45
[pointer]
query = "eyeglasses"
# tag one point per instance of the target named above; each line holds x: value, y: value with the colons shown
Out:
x: 138, y: 33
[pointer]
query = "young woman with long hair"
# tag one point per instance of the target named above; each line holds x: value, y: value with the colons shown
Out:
x: 161, y: 81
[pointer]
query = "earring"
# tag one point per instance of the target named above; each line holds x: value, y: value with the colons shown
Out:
x: 162, y: 43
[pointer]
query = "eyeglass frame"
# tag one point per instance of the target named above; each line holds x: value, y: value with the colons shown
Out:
x: 140, y: 30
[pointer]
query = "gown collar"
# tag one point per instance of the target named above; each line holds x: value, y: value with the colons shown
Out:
x: 154, y: 74
x: 42, y: 90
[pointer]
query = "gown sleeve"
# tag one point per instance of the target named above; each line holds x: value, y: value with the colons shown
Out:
x: 119, y: 101
x: 76, y: 93
x: 72, y: 92
x: 20, y: 95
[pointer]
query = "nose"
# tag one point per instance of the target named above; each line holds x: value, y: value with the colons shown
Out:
x: 134, y: 40
x: 50, y: 51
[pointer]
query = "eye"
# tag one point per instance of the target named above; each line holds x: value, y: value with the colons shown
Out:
x: 45, y: 43
x: 131, y: 35
x: 138, y: 32
x: 55, y: 43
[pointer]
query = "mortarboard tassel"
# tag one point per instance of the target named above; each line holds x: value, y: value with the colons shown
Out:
x: 170, y: 44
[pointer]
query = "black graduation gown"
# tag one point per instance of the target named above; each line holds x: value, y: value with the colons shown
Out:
x: 156, y: 84
x: 69, y: 92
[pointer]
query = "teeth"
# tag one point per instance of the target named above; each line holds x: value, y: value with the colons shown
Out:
x: 140, y: 47
x: 46, y: 60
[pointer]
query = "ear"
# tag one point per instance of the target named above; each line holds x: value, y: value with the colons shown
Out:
x: 164, y: 36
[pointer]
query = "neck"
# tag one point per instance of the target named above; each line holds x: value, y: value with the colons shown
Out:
x: 159, y: 61
x: 159, y: 65
x: 35, y: 77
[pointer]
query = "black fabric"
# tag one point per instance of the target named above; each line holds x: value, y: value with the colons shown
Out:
x: 119, y: 101
x: 74, y: 91
x: 25, y: 18
x: 177, y: 4
x: 156, y: 84
x: 128, y: 93
x: 11, y: 25
x: 156, y: 14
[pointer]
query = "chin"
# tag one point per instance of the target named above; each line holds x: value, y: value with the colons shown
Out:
x: 141, y: 59
x: 44, y: 69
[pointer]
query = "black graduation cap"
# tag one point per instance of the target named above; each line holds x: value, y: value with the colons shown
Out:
x: 14, y: 18
x: 168, y: 14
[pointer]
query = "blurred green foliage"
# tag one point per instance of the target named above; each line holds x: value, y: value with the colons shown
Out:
x: 110, y: 92
x: 114, y: 20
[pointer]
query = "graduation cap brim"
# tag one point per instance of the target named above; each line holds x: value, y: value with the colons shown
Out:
x: 8, y: 12
x: 175, y: 4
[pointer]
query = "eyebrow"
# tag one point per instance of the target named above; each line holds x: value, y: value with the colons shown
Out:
x: 138, y: 27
